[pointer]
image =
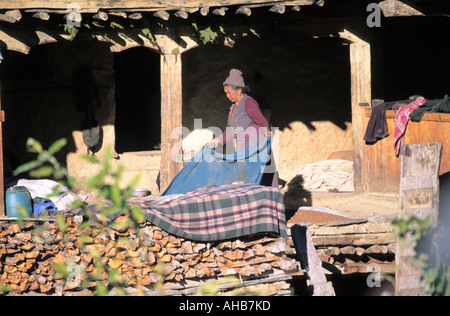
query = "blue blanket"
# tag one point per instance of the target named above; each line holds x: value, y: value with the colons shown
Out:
x: 210, y: 168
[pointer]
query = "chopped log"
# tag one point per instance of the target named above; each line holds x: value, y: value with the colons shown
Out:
x: 278, y: 8
x: 162, y: 15
x: 44, y: 16
x: 103, y: 16
x: 15, y: 14
x: 244, y: 10
x: 348, y: 250
x: 119, y: 14
x: 320, y: 3
x: 135, y: 16
x: 181, y: 14
x: 204, y: 11
x: 220, y: 11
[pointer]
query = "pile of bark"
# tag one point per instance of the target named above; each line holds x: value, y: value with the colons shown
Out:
x: 31, y: 253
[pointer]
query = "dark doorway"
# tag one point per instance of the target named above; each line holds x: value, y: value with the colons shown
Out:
x: 138, y: 100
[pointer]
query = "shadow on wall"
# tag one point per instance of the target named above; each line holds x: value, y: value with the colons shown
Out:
x: 54, y: 91
x: 306, y: 80
x: 295, y: 195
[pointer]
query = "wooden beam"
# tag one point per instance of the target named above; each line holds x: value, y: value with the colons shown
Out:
x: 15, y: 14
x: 397, y: 8
x: 171, y: 118
x: 361, y: 92
x: 119, y: 14
x: 7, y: 18
x: 204, y: 11
x: 220, y: 11
x: 13, y: 44
x: 135, y: 16
x: 162, y: 15
x: 92, y: 6
x: 244, y: 10
x: 2, y: 184
x: 280, y: 9
x: 418, y: 196
x: 44, y: 16
x: 103, y: 16
x: 181, y: 14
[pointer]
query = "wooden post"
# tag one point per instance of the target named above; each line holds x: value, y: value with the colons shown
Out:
x: 418, y: 196
x: 361, y: 92
x: 171, y: 118
x: 2, y: 184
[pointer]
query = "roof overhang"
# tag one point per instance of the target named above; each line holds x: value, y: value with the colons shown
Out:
x: 395, y: 8
x: 93, y: 6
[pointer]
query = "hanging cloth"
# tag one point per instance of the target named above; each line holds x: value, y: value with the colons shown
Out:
x: 210, y: 168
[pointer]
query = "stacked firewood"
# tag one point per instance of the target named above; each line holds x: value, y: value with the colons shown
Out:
x: 356, y: 245
x: 32, y: 254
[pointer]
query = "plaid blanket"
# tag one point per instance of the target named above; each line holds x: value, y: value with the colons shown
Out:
x: 219, y: 212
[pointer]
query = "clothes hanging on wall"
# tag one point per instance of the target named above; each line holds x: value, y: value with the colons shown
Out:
x: 434, y: 106
x: 401, y: 122
x: 209, y: 168
x: 377, y: 127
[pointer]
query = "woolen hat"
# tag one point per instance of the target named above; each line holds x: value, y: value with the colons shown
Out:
x: 235, y: 79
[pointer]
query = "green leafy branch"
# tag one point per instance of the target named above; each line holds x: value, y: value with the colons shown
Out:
x: 430, y: 250
x: 104, y: 183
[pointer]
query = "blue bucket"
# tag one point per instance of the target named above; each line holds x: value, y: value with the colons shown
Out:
x: 18, y: 202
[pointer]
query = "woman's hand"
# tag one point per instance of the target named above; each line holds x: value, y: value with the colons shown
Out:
x: 214, y: 143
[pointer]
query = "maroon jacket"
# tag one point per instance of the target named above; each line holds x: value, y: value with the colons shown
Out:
x: 244, y: 115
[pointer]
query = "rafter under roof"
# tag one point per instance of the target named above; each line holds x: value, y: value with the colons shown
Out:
x: 93, y: 6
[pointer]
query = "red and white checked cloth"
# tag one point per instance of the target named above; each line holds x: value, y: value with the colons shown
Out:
x: 401, y: 122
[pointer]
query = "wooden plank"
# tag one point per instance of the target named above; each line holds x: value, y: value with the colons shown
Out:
x: 311, y: 262
x: 419, y: 196
x: 27, y: 219
x: 361, y: 267
x: 2, y: 183
x: 428, y: 116
x: 384, y: 167
x: 171, y: 118
x: 95, y: 5
x: 361, y: 92
x: 354, y: 240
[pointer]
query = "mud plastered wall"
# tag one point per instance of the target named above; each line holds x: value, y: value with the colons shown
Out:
x: 302, y: 84
x: 45, y: 96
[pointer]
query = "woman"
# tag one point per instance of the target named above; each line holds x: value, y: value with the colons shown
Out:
x: 245, y: 121
x: 248, y: 130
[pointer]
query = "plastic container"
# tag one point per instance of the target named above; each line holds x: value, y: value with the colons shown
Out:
x: 18, y: 202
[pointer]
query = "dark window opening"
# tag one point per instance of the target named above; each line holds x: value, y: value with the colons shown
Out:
x: 138, y: 100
